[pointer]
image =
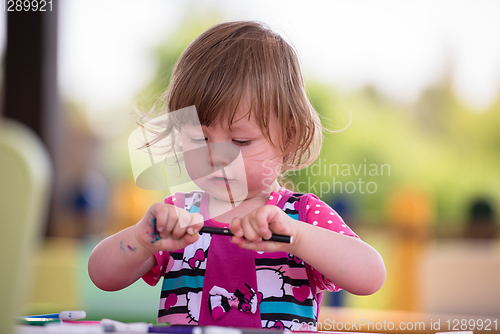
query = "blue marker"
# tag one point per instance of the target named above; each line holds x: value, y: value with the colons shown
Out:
x: 64, y: 315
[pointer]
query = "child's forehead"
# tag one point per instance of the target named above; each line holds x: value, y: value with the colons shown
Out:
x: 241, y: 124
x: 246, y: 125
x: 232, y: 116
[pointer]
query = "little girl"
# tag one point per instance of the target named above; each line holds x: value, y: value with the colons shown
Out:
x: 247, y: 87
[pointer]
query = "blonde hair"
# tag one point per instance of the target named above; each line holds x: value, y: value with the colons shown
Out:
x: 245, y: 59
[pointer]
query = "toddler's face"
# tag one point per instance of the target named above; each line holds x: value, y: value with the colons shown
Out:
x: 232, y: 164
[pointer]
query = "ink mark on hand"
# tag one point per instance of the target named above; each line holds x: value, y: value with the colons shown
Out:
x: 155, y: 235
x: 122, y: 248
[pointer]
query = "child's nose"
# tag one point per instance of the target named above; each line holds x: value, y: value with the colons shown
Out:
x: 222, y: 154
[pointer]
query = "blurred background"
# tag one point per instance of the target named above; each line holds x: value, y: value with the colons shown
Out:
x: 414, y: 86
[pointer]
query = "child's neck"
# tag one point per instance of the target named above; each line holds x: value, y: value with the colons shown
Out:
x: 224, y: 211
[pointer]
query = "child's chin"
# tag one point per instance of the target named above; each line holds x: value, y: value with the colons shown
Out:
x: 223, y: 196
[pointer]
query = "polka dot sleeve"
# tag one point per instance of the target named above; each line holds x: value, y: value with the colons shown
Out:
x: 322, y: 215
x: 162, y: 259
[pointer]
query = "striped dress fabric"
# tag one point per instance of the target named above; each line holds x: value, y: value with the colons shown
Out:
x: 289, y: 290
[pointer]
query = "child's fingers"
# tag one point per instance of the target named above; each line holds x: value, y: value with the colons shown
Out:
x: 235, y: 227
x: 172, y: 219
x: 196, y: 223
x: 260, y: 246
x: 164, y: 213
x: 167, y: 217
x: 277, y: 221
x: 159, y: 213
x: 248, y: 226
x: 189, y: 223
x: 188, y: 239
x: 237, y: 231
x: 183, y: 218
x: 253, y: 227
x: 148, y: 226
x: 258, y: 226
x: 173, y: 244
x: 261, y: 221
x: 186, y: 231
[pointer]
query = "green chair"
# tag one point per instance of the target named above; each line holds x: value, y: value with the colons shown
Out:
x: 25, y: 175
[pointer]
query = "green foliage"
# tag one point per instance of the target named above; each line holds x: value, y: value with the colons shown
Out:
x: 438, y: 145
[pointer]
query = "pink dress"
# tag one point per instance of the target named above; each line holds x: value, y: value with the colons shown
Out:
x: 202, y: 285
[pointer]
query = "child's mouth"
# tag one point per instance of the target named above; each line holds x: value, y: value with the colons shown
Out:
x: 221, y: 181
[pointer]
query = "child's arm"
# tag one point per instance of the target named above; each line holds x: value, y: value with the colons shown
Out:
x: 347, y: 261
x: 121, y: 259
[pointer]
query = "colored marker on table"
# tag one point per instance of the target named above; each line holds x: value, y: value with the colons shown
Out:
x: 42, y: 319
x: 111, y: 326
x: 36, y: 321
x: 176, y: 329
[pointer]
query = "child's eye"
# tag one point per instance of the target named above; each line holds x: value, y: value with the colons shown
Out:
x: 198, y: 140
x: 241, y: 142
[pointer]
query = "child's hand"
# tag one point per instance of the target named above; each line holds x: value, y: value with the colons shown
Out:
x: 252, y: 230
x: 166, y: 227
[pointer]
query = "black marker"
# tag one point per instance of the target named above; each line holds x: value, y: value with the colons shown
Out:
x: 225, y: 231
